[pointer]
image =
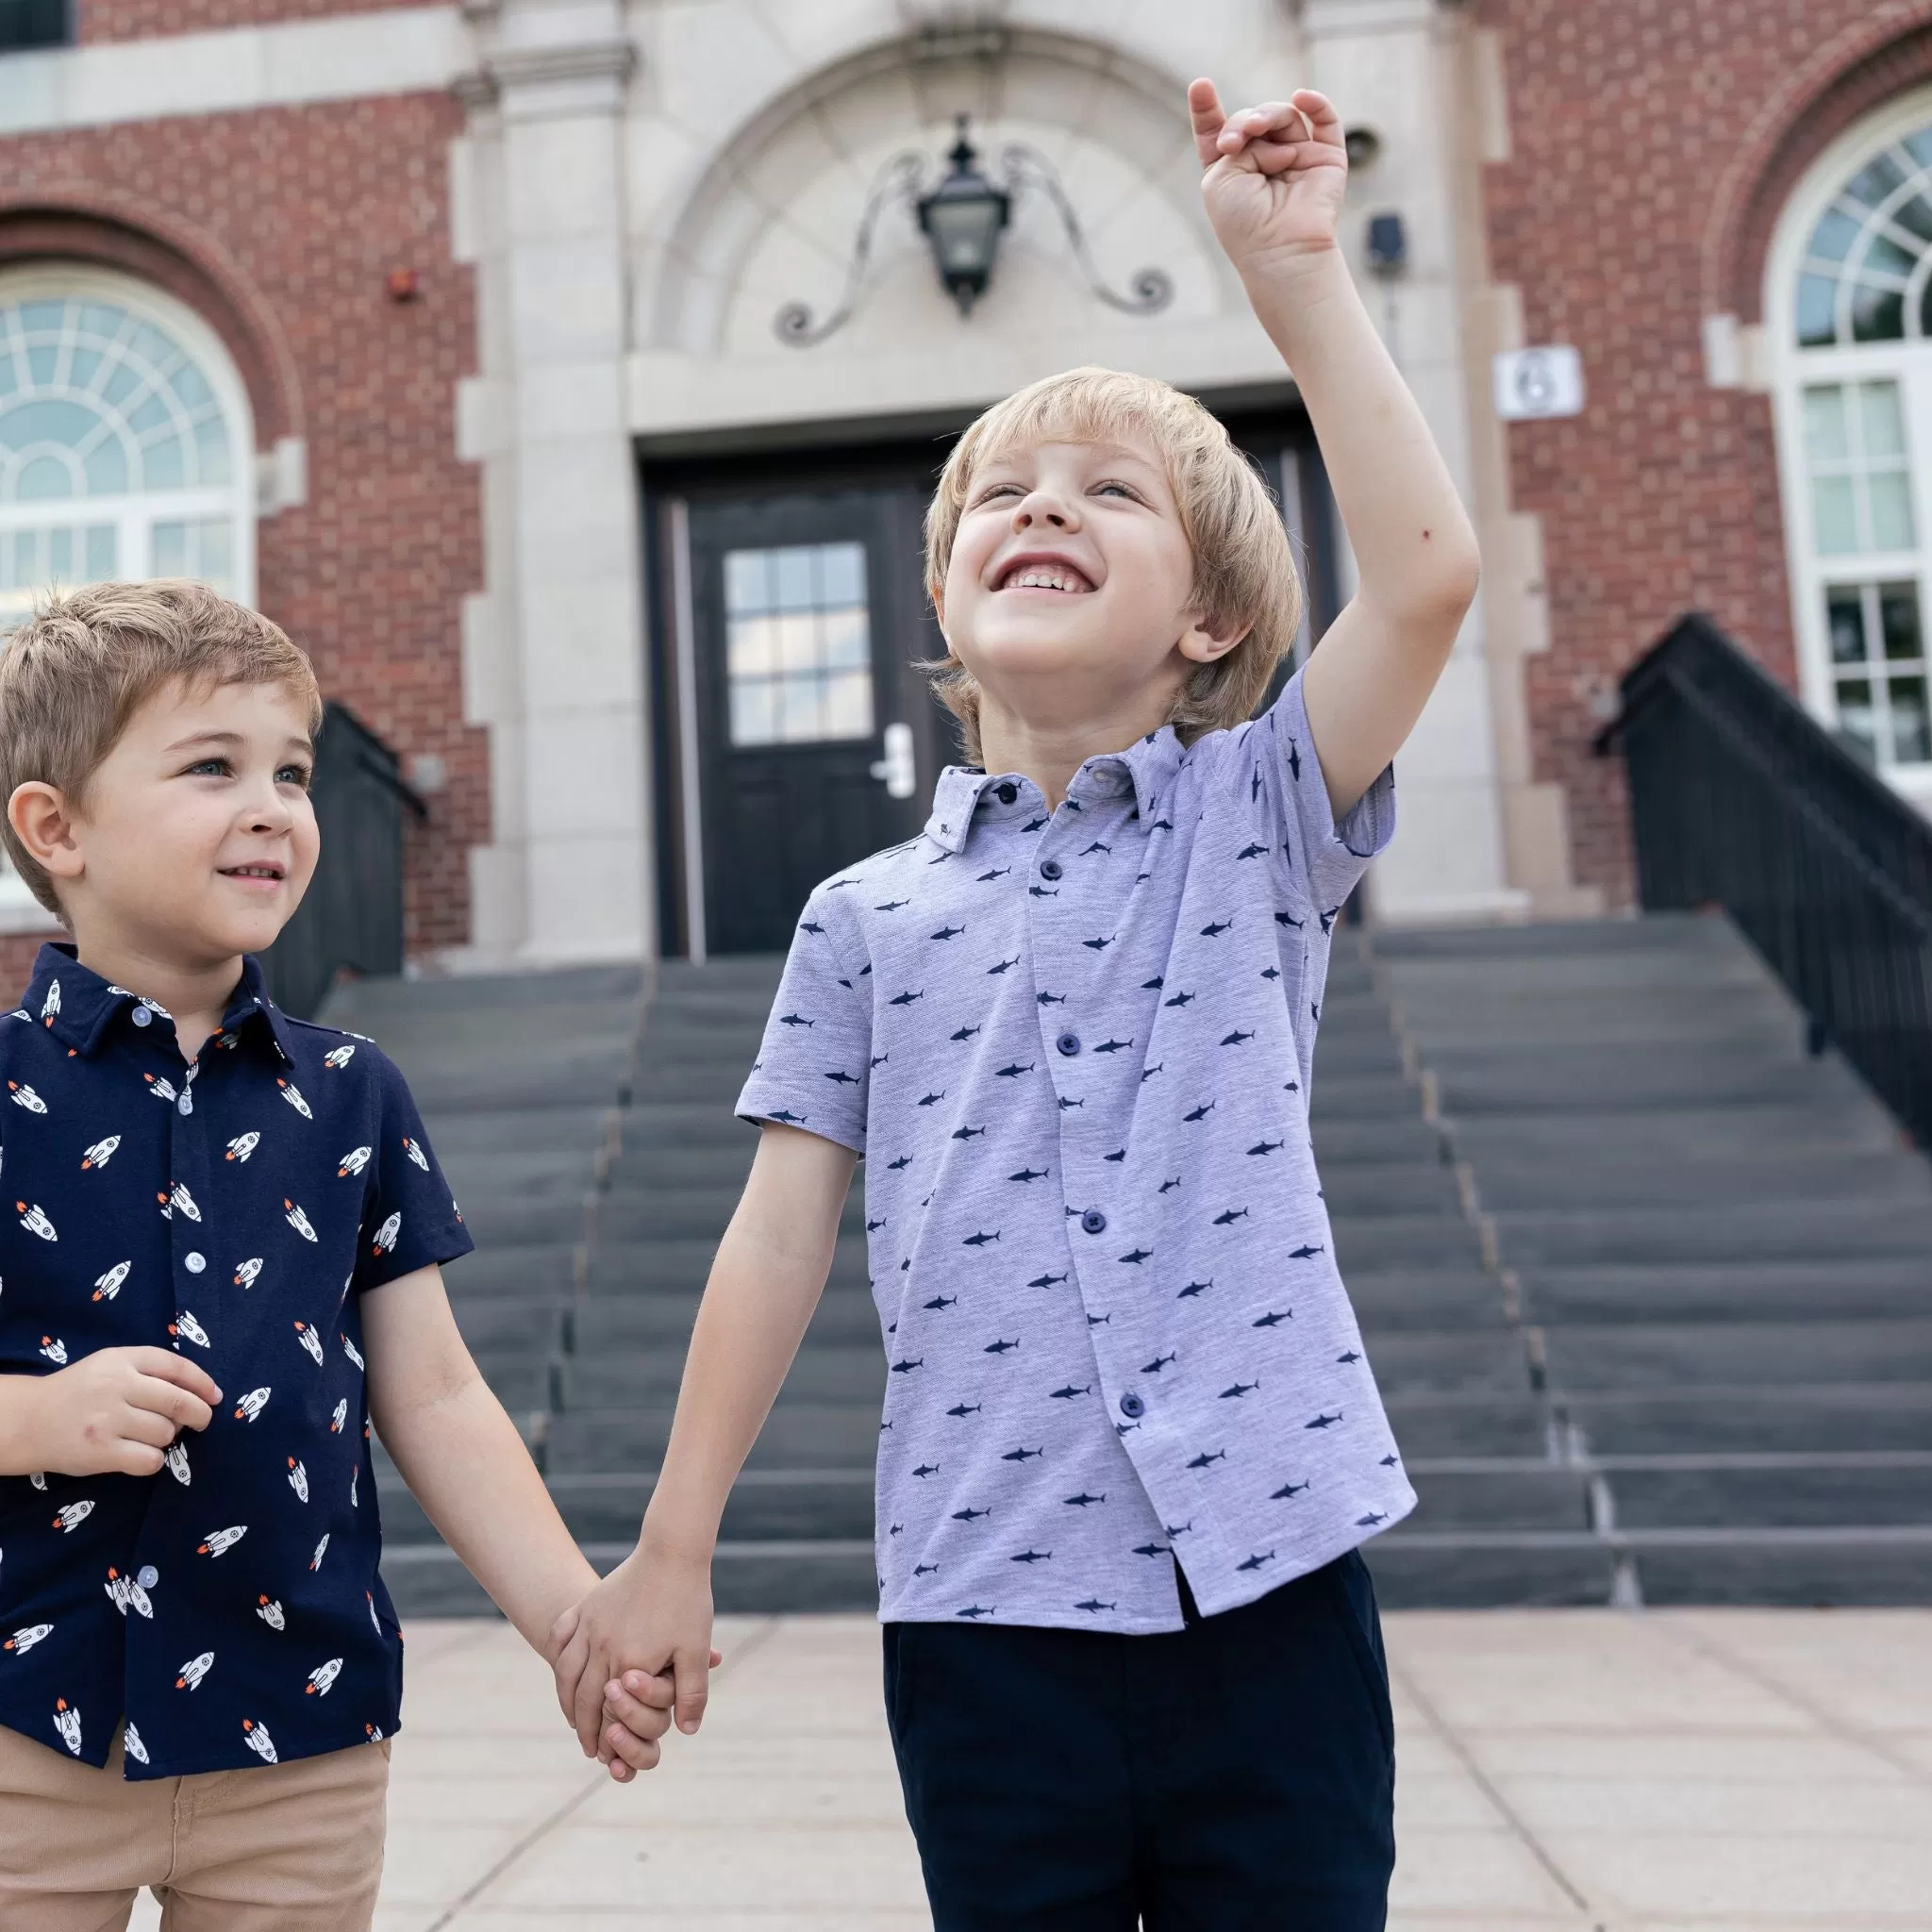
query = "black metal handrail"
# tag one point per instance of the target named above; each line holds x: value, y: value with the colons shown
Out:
x: 1739, y: 798
x: 351, y: 919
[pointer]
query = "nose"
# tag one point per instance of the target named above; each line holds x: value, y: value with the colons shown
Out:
x: 1042, y: 505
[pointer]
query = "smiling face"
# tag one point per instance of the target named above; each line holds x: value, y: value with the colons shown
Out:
x: 196, y: 837
x: 1070, y: 589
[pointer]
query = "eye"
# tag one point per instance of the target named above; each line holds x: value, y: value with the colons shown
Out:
x: 210, y: 767
x: 993, y: 489
x: 295, y: 775
x: 1114, y: 484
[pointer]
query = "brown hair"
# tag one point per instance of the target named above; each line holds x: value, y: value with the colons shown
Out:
x: 74, y: 674
x: 1244, y: 574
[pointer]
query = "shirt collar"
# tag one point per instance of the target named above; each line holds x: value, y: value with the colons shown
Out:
x: 78, y: 1006
x: 964, y: 792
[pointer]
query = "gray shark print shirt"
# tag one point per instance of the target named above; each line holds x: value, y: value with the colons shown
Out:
x: 1075, y: 1047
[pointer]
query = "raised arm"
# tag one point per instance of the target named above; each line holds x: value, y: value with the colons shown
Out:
x: 1274, y: 189
x: 653, y: 1612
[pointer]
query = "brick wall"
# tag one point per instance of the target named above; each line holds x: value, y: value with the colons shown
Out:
x: 137, y: 20
x: 288, y: 222
x: 1634, y: 124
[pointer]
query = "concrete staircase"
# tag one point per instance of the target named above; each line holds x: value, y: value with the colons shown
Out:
x: 1648, y: 1290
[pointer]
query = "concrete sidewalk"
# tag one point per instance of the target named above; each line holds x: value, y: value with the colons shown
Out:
x: 1559, y: 1770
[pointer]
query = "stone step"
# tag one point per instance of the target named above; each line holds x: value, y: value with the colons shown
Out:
x: 1769, y: 1231
x: 1765, y: 1354
x: 1623, y: 1176
x: 1598, y: 1080
x: 1719, y: 1417
x: 1852, y: 1123
x: 1823, y: 1494
x: 1832, y: 1289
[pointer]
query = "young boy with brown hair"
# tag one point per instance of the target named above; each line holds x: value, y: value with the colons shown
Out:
x: 220, y: 1242
x: 1131, y: 1445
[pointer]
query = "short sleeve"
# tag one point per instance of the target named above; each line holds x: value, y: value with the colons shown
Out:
x: 410, y: 1218
x: 815, y: 1064
x: 1324, y: 859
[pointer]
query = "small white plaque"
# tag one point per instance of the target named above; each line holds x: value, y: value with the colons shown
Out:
x: 1531, y: 383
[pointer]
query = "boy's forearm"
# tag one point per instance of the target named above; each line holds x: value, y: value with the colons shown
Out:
x: 467, y: 1466
x: 1389, y: 481
x: 757, y: 1307
x: 19, y: 1414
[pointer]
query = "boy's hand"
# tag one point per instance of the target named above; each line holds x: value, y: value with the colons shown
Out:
x: 649, y: 1620
x: 1276, y: 174
x: 115, y: 1412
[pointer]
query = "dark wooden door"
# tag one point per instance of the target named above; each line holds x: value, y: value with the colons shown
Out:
x: 816, y: 739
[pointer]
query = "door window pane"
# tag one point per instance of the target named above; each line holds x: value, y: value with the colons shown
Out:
x: 1880, y: 670
x: 798, y: 644
x: 1854, y: 445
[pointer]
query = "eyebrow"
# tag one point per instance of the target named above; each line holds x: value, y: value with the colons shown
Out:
x: 200, y: 738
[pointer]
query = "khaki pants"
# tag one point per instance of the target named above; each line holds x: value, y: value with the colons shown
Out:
x: 294, y: 1847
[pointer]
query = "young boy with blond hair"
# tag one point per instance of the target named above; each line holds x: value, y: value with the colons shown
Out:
x: 221, y: 1264
x: 1131, y: 1445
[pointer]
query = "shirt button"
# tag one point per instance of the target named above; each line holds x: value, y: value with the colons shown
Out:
x: 149, y: 1577
x: 1049, y: 868
x: 141, y: 1016
x: 1008, y: 793
x: 1132, y: 1407
x: 1069, y: 1044
x: 186, y: 1103
x: 1094, y: 1221
x: 193, y: 1262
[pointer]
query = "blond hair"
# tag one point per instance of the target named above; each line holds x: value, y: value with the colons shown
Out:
x: 1244, y: 574
x: 74, y: 674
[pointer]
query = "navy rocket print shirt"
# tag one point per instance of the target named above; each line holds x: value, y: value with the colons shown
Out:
x: 228, y: 1608
x: 1075, y: 1047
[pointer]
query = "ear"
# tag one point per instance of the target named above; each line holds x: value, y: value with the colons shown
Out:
x: 43, y: 822
x: 1199, y: 645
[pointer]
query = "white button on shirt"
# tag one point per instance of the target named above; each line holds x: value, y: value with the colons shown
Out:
x: 1075, y: 1047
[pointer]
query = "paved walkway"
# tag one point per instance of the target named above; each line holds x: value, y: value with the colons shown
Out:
x: 1561, y: 1771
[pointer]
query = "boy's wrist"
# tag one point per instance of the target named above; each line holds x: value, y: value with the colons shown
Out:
x: 20, y: 1424
x: 671, y: 1537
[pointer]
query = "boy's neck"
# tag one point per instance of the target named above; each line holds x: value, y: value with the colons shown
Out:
x: 1050, y: 752
x: 194, y: 992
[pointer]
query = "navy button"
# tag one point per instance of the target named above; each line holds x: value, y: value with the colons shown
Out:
x: 1094, y: 1221
x: 149, y: 1577
x: 141, y: 1016
x: 1069, y: 1044
x: 1132, y: 1407
x: 1049, y: 868
x: 1008, y: 793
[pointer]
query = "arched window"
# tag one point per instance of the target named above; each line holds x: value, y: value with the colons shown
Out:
x: 1849, y: 319
x: 125, y: 441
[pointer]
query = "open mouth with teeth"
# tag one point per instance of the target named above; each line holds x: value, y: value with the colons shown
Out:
x: 263, y: 875
x: 1061, y: 577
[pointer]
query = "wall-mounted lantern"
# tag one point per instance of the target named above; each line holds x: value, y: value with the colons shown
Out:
x: 963, y: 214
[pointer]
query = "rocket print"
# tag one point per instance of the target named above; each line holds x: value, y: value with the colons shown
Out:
x: 415, y: 1154
x: 51, y: 1004
x: 339, y: 1058
x: 354, y: 1161
x: 259, y: 1739
x: 185, y: 1325
x: 298, y: 1478
x: 251, y: 1405
x: 100, y: 1153
x: 322, y: 1679
x: 369, y: 1598
x: 108, y: 1285
x: 161, y: 1089
x: 131, y: 1738
x: 25, y: 1096
x: 67, y: 1722
x: 177, y: 1464
x: 179, y: 1197
x: 126, y: 1594
x: 54, y: 1349
x: 220, y: 1542
x: 35, y: 1221
x: 293, y: 1096
x: 193, y: 1670
x: 386, y: 1234
x: 350, y: 1350
x: 270, y: 1612
x: 311, y: 1341
x: 248, y: 1273
x: 354, y: 1476
x: 315, y: 1561
x: 340, y: 1417
x: 297, y: 1220
x: 73, y: 1515
x: 24, y: 1641
x: 242, y: 1146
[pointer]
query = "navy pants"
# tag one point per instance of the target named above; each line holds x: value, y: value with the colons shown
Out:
x: 1233, y: 1775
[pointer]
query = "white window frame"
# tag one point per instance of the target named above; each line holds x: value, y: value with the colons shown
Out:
x: 1792, y: 370
x: 136, y: 515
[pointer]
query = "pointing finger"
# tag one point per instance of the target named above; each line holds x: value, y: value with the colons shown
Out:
x: 1203, y: 109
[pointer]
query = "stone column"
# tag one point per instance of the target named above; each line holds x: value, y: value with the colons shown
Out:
x: 1386, y: 65
x: 555, y: 645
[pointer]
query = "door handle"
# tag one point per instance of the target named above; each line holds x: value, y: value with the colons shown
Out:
x: 897, y: 770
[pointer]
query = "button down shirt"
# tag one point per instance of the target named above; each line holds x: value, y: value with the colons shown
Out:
x: 234, y: 1212
x: 1075, y: 1047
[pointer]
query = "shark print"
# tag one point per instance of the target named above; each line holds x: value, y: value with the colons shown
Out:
x: 1141, y: 997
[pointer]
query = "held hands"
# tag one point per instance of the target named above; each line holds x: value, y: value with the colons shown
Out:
x: 1275, y: 176
x: 115, y: 1412
x: 633, y: 1653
